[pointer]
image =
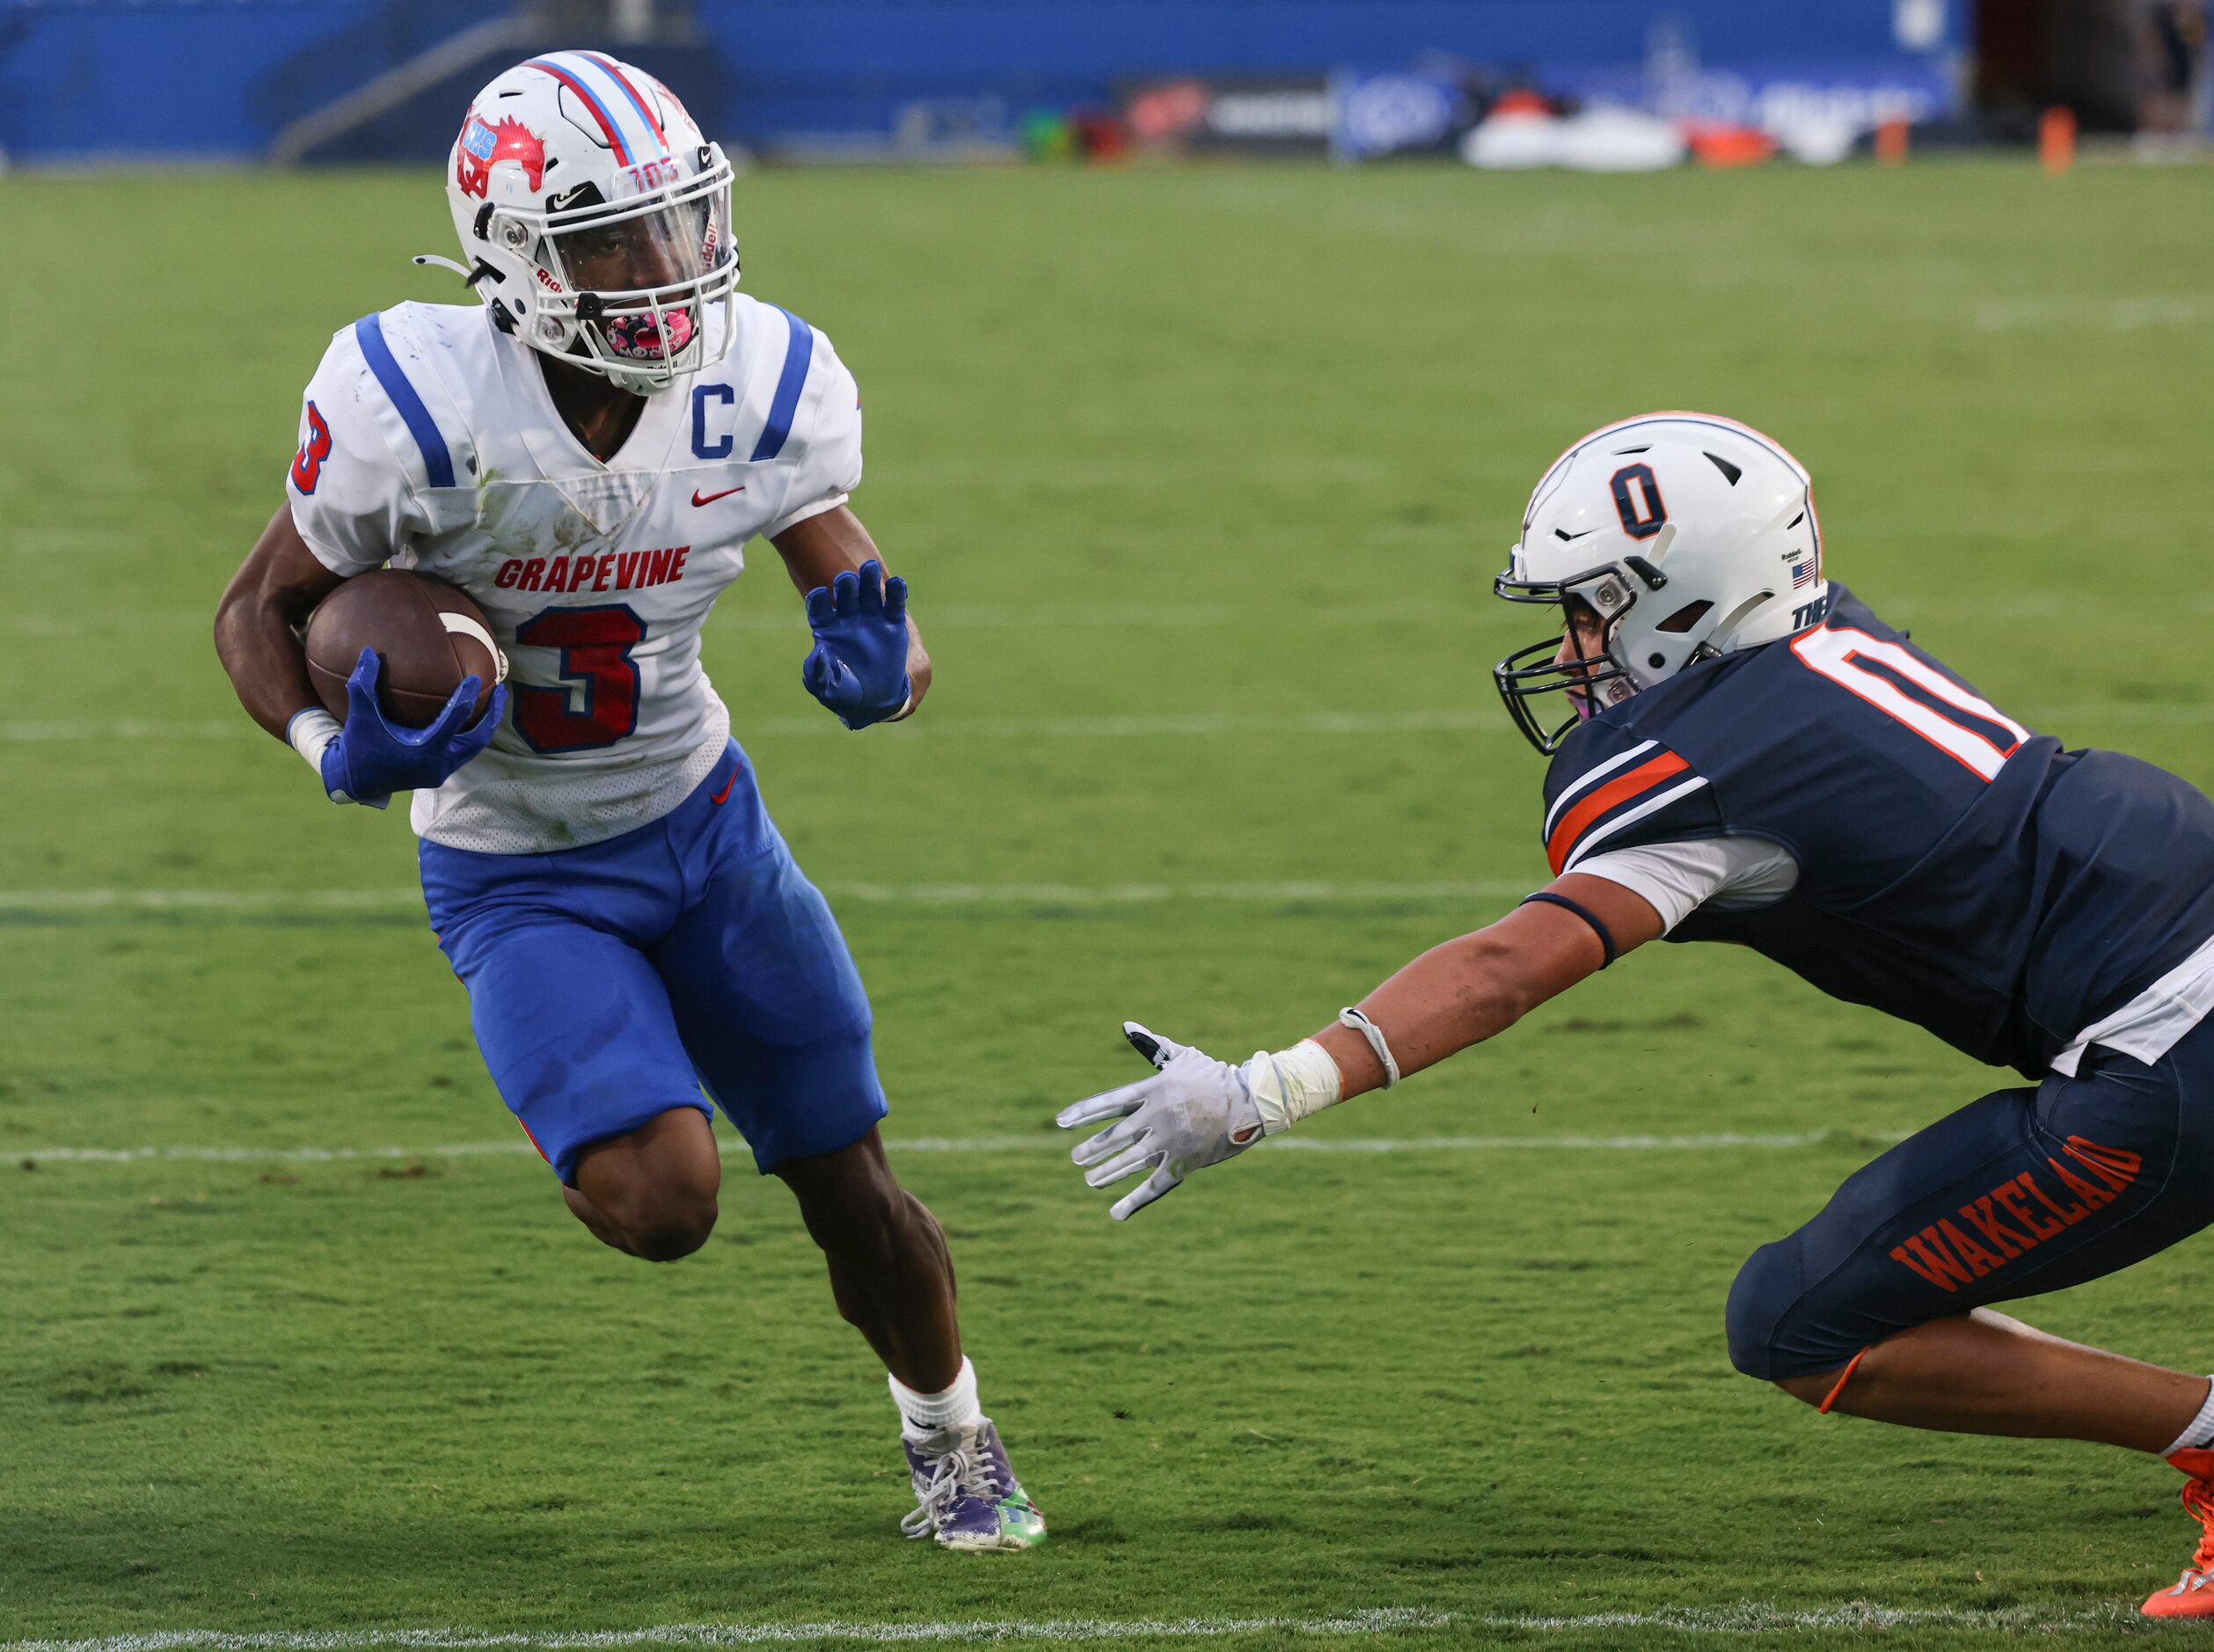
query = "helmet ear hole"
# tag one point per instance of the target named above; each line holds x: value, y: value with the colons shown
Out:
x: 1684, y: 618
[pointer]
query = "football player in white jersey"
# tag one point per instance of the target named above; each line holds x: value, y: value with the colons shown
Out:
x: 586, y: 449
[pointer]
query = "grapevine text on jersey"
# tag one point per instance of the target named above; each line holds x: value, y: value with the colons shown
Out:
x: 613, y: 571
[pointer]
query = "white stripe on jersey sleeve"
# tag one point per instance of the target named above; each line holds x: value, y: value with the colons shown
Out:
x: 1583, y: 782
x: 1592, y: 837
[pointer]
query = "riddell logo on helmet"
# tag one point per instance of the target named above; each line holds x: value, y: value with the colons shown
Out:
x: 483, y: 147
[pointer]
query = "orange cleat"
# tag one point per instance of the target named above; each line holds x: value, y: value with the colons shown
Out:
x: 2192, y: 1594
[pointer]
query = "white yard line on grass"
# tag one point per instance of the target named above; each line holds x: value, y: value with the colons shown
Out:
x: 2118, y: 315
x: 208, y: 900
x: 1751, y: 1618
x: 1044, y: 618
x: 1146, y: 726
x: 1001, y: 1630
x: 401, y: 898
x: 723, y: 1634
x: 1465, y: 719
x: 517, y: 1148
x: 1055, y: 617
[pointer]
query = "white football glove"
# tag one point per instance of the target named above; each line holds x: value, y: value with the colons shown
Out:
x: 1194, y: 1112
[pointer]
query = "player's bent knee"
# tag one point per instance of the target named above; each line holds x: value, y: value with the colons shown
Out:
x: 1785, y: 1331
x: 671, y: 1241
x: 1766, y: 1287
x: 674, y: 1226
x: 1816, y: 1390
x: 659, y: 1220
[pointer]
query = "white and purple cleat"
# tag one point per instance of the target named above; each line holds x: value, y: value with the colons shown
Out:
x: 966, y: 1493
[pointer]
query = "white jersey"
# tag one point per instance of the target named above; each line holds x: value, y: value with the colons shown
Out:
x: 428, y: 440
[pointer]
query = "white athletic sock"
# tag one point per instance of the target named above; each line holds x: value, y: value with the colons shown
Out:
x: 2198, y: 1433
x: 926, y: 1415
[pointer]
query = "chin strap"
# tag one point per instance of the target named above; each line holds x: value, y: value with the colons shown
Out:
x: 469, y: 277
x: 1720, y: 639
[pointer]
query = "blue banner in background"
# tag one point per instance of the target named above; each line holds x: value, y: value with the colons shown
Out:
x: 1776, y: 95
x: 86, y: 79
x: 90, y: 80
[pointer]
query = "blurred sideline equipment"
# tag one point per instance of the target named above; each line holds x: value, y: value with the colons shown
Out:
x: 1601, y: 141
x: 2057, y: 139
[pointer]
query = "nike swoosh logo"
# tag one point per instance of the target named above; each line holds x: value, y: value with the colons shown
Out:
x: 700, y: 497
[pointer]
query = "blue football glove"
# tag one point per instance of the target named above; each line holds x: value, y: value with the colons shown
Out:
x: 858, y: 664
x: 370, y: 759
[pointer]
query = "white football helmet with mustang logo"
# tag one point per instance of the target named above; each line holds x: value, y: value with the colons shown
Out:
x: 1686, y: 535
x: 594, y: 218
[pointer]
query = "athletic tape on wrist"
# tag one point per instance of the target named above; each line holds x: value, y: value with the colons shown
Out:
x: 310, y: 733
x: 1291, y: 1084
x: 1369, y: 1030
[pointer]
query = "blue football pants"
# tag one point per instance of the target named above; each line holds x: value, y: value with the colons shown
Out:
x: 609, y: 983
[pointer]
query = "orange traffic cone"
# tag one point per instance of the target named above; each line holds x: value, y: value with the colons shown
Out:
x: 2057, y: 139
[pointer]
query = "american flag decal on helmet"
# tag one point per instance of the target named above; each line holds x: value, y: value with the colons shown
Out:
x: 1807, y: 572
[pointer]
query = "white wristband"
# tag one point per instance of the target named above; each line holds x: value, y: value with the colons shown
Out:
x: 1374, y: 1034
x: 1288, y: 1085
x: 310, y: 733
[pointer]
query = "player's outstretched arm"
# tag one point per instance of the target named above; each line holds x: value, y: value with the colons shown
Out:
x: 1474, y: 988
x: 1196, y: 1111
x: 868, y: 663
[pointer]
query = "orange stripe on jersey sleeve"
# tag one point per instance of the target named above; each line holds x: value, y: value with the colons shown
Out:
x: 1620, y: 790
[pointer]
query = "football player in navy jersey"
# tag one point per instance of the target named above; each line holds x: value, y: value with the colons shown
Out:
x: 1743, y: 751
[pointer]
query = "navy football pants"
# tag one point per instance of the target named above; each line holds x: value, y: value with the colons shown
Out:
x: 2023, y: 1192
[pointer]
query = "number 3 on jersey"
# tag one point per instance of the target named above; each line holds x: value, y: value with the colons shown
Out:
x: 595, y: 646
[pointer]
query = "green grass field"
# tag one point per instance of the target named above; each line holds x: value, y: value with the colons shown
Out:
x: 1201, y: 478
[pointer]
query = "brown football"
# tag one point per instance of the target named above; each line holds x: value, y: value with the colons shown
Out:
x: 427, y: 634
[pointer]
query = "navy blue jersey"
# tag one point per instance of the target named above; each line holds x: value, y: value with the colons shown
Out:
x: 1956, y: 869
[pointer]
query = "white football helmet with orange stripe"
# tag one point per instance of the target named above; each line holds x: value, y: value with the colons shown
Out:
x: 1686, y: 535
x: 595, y: 218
